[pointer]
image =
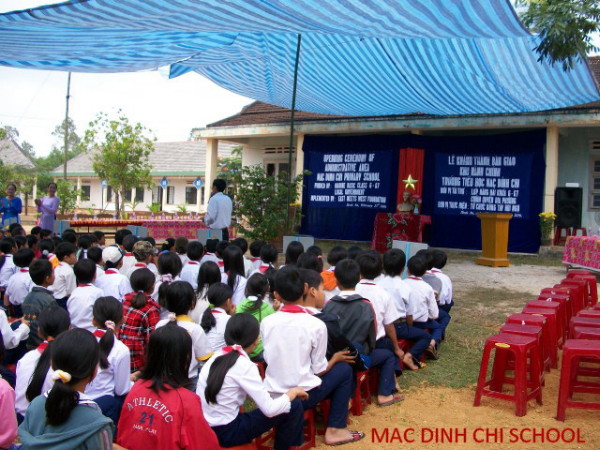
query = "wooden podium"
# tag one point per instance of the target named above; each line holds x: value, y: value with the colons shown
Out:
x: 494, y: 239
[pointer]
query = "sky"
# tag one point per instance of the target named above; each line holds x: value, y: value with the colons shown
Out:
x: 33, y: 101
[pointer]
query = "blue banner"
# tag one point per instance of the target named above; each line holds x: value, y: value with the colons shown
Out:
x: 469, y: 183
x: 350, y: 180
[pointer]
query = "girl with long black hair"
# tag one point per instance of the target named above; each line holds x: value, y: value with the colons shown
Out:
x: 233, y: 275
x: 229, y: 376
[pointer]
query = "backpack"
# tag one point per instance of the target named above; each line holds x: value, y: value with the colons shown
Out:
x: 336, y: 341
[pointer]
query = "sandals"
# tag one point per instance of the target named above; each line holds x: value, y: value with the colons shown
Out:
x: 432, y: 352
x: 356, y: 436
x: 396, y: 399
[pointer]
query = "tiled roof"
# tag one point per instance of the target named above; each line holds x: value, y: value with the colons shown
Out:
x: 168, y: 158
x: 263, y: 113
x: 11, y: 154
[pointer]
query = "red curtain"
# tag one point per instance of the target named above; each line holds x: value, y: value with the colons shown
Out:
x: 411, y: 165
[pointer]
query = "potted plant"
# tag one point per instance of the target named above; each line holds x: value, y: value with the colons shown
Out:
x: 262, y: 203
x: 547, y: 226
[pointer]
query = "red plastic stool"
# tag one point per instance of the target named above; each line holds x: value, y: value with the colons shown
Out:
x: 574, y: 351
x: 528, y: 330
x: 362, y: 394
x: 564, y: 299
x: 596, y: 307
x: 592, y: 284
x: 582, y: 322
x: 586, y: 333
x: 558, y: 236
x: 249, y: 446
x: 550, y: 350
x: 592, y: 313
x: 521, y: 348
x: 576, y: 230
x: 580, y: 298
x: 572, y: 292
x: 552, y: 329
x: 562, y: 323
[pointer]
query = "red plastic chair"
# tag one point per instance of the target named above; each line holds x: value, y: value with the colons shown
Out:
x: 582, y: 322
x: 362, y: 393
x: 592, y: 284
x: 552, y: 329
x: 564, y: 298
x: 550, y: 351
x: 558, y: 236
x: 580, y: 296
x: 528, y: 330
x: 575, y: 351
x: 562, y: 323
x: 522, y: 349
x: 586, y: 333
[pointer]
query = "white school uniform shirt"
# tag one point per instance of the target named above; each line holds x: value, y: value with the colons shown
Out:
x: 248, y: 267
x: 256, y: 262
x: 445, y: 297
x: 209, y: 257
x: 128, y: 262
x: 25, y: 368
x: 294, y: 345
x: 262, y: 268
x: 114, y: 284
x: 400, y: 292
x: 64, y: 281
x: 201, y: 349
x: 184, y: 258
x: 114, y: 380
x: 239, y: 290
x: 422, y: 300
x: 383, y: 304
x: 202, y: 305
x: 242, y: 379
x: 157, y: 285
x: 19, y: 286
x: 99, y: 273
x: 189, y: 273
x: 216, y: 335
x: 80, y: 305
x: 11, y: 337
x: 8, y: 270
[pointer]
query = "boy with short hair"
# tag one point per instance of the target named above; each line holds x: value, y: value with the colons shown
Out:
x: 422, y: 301
x: 295, y: 344
x: 113, y: 283
x: 190, y: 270
x: 101, y: 238
x: 446, y: 300
x: 42, y: 276
x: 255, y: 253
x: 95, y: 254
x: 209, y: 251
x: 371, y: 265
x: 143, y: 252
x: 268, y: 258
x: 81, y: 302
x: 358, y: 323
x: 393, y: 264
x: 20, y: 283
x: 129, y: 260
x: 64, y: 277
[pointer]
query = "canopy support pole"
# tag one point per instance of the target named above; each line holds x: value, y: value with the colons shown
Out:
x: 289, y: 191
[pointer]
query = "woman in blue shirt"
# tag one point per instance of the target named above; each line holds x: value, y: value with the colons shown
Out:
x: 10, y: 206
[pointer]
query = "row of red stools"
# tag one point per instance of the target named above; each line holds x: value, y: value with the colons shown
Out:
x: 527, y: 346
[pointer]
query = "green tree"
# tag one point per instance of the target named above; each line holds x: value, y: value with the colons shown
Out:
x: 66, y: 191
x: 565, y: 28
x: 120, y: 154
x: 229, y: 167
x: 261, y: 202
x: 56, y: 157
x: 28, y: 148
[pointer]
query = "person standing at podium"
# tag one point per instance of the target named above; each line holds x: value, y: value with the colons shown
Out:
x: 218, y: 213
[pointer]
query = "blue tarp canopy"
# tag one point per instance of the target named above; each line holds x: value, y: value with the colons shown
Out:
x: 358, y: 57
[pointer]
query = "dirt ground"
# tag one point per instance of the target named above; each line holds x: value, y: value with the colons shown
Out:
x: 435, y: 417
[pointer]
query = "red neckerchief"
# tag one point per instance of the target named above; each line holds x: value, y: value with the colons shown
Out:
x: 263, y: 268
x: 139, y: 264
x: 84, y: 285
x: 99, y: 333
x: 216, y: 311
x: 254, y: 258
x: 128, y: 254
x: 235, y: 348
x: 412, y: 277
x: 111, y: 271
x: 194, y: 263
x: 220, y: 263
x: 42, y: 347
x: 436, y: 271
x: 367, y: 283
x: 24, y: 270
x: 294, y: 309
x: 209, y: 254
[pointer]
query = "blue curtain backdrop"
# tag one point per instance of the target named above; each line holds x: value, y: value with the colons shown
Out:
x: 448, y: 229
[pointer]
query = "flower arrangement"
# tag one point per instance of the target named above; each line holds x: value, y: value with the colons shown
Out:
x: 416, y: 200
x: 547, y: 224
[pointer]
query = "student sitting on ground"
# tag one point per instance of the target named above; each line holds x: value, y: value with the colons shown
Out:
x: 209, y: 251
x: 215, y: 319
x: 230, y: 376
x: 181, y: 244
x: 38, y: 299
x: 169, y: 267
x: 19, y: 284
x: 255, y: 253
x: 243, y: 245
x: 357, y: 322
x: 268, y: 258
x: 292, y: 252
x: 64, y: 277
x: 95, y: 254
x: 113, y: 283
x: 335, y: 255
x: 393, y: 264
x: 66, y: 417
x: 295, y: 344
x: 189, y: 272
x: 181, y: 424
x: 208, y: 275
x: 81, y: 302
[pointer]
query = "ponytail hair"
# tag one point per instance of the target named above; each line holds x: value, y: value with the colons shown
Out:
x: 142, y: 281
x: 217, y: 295
x: 257, y: 286
x: 107, y: 312
x: 241, y: 330
x: 208, y: 275
x: 75, y: 354
x: 169, y: 266
x: 180, y: 297
x: 52, y: 321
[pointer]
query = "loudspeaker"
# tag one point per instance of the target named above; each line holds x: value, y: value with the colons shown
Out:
x: 567, y: 206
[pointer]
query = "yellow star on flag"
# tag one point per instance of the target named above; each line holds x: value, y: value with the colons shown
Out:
x: 409, y: 182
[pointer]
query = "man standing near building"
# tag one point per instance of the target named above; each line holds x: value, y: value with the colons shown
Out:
x: 218, y: 213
